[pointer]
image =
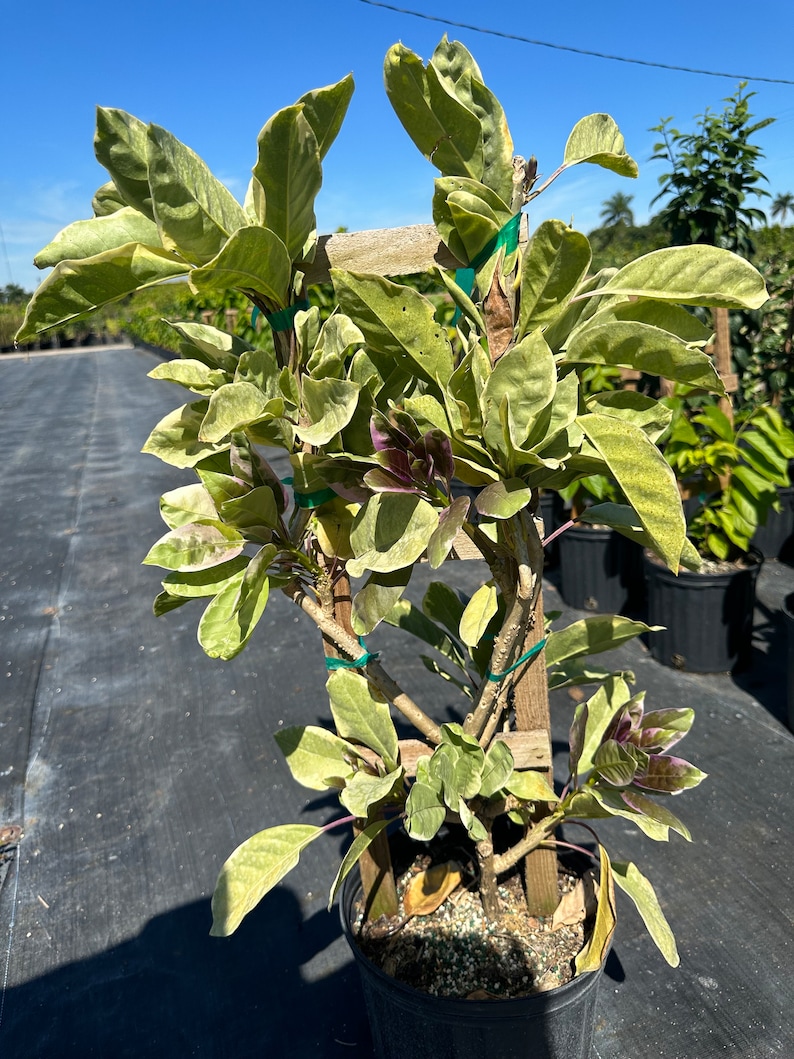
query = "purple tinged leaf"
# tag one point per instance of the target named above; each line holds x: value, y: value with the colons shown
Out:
x: 662, y: 729
x: 614, y: 764
x: 576, y: 736
x: 641, y: 804
x: 439, y: 453
x: 380, y: 480
x: 670, y: 775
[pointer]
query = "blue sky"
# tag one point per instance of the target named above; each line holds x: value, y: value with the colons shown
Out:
x: 212, y: 73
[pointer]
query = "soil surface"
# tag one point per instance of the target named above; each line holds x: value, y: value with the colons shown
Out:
x: 456, y: 952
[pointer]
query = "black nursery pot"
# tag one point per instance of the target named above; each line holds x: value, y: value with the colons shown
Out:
x: 600, y: 570
x: 707, y: 617
x: 775, y: 539
x: 788, y: 617
x: 409, y: 1024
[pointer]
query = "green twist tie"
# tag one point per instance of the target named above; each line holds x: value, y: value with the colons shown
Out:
x: 343, y: 663
x: 531, y: 653
x: 283, y: 319
x: 506, y: 237
x: 310, y: 500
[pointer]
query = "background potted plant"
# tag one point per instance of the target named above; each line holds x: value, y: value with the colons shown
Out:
x: 708, y: 614
x: 375, y: 409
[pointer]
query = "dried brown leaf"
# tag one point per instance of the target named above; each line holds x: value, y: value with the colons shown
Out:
x: 572, y: 908
x: 428, y: 890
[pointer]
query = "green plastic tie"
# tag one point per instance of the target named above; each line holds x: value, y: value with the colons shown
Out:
x: 284, y: 318
x: 506, y: 237
x: 531, y: 653
x: 281, y: 320
x: 359, y: 663
x: 310, y: 500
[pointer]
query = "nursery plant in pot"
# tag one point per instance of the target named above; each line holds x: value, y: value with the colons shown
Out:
x: 708, y: 614
x: 377, y: 408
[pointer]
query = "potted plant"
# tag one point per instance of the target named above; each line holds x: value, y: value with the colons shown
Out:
x: 708, y: 614
x: 376, y: 409
x: 600, y: 569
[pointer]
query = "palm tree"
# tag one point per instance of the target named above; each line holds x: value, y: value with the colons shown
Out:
x: 782, y: 206
x: 617, y: 210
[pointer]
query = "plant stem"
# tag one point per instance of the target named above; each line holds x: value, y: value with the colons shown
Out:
x: 539, y: 833
x: 375, y: 672
x: 489, y: 893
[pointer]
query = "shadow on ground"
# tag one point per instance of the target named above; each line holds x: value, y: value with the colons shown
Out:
x: 165, y: 993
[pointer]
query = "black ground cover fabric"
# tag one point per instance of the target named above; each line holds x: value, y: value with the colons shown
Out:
x: 135, y: 765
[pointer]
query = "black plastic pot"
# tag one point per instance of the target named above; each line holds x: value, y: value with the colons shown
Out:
x: 551, y: 511
x: 776, y: 539
x: 409, y: 1024
x: 600, y: 570
x: 788, y: 618
x: 708, y: 617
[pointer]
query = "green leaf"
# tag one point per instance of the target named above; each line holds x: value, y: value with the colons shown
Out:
x: 175, y: 439
x: 76, y: 289
x: 652, y: 417
x: 189, y: 503
x: 325, y: 109
x: 329, y: 405
x: 424, y: 812
x: 477, y: 615
x: 253, y: 870
x: 633, y: 882
x: 601, y: 708
x: 120, y: 145
x: 317, y: 759
x: 554, y: 264
x: 503, y: 499
x: 530, y: 786
x: 192, y: 374
x: 632, y: 805
x: 217, y: 348
x: 590, y: 636
x: 442, y: 604
x: 231, y: 407
x: 397, y: 321
x: 287, y: 177
x: 691, y: 275
x: 208, y: 582
x: 497, y: 769
x: 226, y: 626
x: 450, y: 523
x: 362, y: 715
x: 474, y: 827
x: 390, y: 532
x: 377, y: 598
x: 475, y: 222
x: 597, y: 139
x: 195, y: 546
x: 365, y: 793
x: 527, y: 375
x: 629, y: 344
x: 107, y: 200
x: 358, y: 846
x: 255, y: 513
x: 663, y: 315
x: 404, y: 615
x: 645, y: 477
x: 164, y: 602
x: 443, y: 129
x: 254, y: 259
x: 89, y: 238
x: 454, y: 64
x: 614, y: 764
x: 195, y: 212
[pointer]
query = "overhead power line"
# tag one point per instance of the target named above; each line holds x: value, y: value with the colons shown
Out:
x: 576, y: 51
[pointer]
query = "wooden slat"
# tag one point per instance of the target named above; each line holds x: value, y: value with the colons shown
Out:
x: 386, y: 252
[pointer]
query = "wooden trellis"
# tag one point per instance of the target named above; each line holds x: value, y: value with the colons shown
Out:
x: 410, y: 251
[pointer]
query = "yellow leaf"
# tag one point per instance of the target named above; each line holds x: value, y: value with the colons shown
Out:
x: 594, y: 953
x: 428, y: 890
